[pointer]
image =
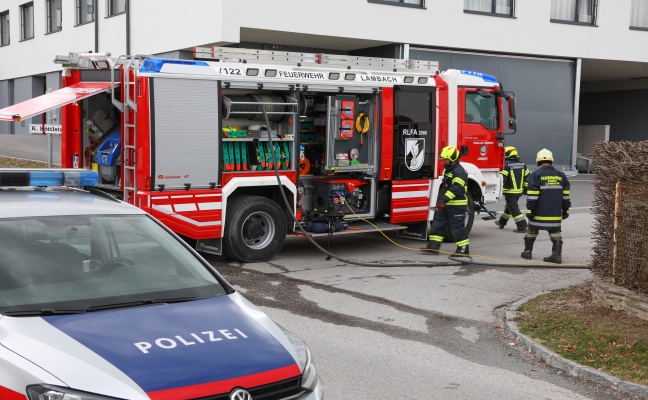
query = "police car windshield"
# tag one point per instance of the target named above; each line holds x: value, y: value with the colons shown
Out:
x: 90, y: 262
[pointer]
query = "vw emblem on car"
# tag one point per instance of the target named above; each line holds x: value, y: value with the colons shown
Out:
x: 240, y: 394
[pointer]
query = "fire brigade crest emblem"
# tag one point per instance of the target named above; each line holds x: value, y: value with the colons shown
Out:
x: 414, y: 153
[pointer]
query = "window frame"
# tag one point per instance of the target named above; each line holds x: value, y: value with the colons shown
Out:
x: 26, y: 29
x: 54, y: 19
x: 399, y: 3
x: 5, y: 38
x: 111, y: 6
x: 594, y: 10
x: 79, y: 14
x: 492, y: 13
x: 645, y: 18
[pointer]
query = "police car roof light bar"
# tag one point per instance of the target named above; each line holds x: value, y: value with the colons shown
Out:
x: 48, y: 177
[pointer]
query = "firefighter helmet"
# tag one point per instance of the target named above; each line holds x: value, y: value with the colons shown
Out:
x: 449, y: 153
x: 544, y: 155
x: 510, y: 152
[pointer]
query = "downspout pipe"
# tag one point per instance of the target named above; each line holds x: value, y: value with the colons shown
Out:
x: 128, y: 28
x: 95, y: 13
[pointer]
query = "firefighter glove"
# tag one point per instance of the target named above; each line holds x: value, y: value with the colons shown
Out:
x: 440, y: 206
x: 565, y: 214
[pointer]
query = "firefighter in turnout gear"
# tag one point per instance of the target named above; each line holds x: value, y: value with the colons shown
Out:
x: 548, y: 204
x: 515, y: 174
x: 452, y: 204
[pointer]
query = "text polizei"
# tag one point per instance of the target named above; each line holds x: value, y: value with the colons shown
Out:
x: 205, y: 337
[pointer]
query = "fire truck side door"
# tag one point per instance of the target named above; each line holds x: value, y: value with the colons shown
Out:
x: 414, y: 135
x: 479, y: 123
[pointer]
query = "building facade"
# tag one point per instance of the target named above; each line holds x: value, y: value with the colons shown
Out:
x: 575, y: 65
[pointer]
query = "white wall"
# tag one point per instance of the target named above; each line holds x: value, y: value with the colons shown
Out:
x: 35, y: 56
x: 166, y: 25
x: 589, y: 135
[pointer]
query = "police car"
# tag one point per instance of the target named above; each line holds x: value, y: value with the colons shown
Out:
x: 98, y: 300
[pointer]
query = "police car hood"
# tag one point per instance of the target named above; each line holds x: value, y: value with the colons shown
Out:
x: 171, y: 351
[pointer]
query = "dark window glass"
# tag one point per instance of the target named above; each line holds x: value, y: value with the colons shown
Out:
x: 497, y: 7
x: 116, y: 7
x: 481, y: 110
x: 578, y: 11
x: 4, y: 28
x: 639, y: 14
x: 84, y: 11
x: 414, y: 3
x: 54, y: 17
x: 27, y: 21
x: 413, y: 106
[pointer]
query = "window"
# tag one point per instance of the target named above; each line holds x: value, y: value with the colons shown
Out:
x: 576, y: 11
x: 67, y: 256
x: 481, y: 110
x: 408, y: 3
x: 116, y: 7
x: 4, y: 28
x: 495, y: 7
x: 53, y: 16
x: 639, y: 15
x: 27, y: 21
x: 84, y: 11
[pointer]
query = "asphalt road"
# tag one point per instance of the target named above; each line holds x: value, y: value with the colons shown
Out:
x: 32, y: 147
x: 428, y: 332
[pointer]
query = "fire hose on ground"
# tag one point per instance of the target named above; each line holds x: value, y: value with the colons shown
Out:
x: 454, y: 260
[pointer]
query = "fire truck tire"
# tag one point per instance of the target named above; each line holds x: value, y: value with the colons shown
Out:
x: 470, y: 218
x: 255, y: 229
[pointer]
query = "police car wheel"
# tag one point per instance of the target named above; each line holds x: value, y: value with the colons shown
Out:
x: 255, y: 229
x: 470, y: 217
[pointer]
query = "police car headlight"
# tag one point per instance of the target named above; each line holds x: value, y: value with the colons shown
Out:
x: 49, y: 392
x: 309, y: 373
x: 309, y: 376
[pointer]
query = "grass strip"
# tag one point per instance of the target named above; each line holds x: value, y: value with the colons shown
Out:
x: 568, y: 323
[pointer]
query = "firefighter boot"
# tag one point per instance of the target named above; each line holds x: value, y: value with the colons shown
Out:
x: 462, y: 251
x: 501, y: 222
x: 528, y: 248
x: 433, y: 247
x: 556, y: 253
x: 521, y: 226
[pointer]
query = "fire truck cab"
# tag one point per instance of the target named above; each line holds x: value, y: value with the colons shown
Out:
x: 238, y: 148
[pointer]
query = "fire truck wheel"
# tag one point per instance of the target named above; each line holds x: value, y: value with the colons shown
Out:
x: 255, y: 229
x: 470, y: 217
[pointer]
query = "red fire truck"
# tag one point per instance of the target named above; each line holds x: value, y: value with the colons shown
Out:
x: 238, y: 148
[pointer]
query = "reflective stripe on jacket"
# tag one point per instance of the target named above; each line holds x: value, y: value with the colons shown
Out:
x: 515, y: 175
x: 547, y: 197
x: 453, y: 187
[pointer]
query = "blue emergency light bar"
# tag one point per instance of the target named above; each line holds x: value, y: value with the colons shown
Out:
x: 485, y: 77
x: 48, y: 177
x: 156, y: 64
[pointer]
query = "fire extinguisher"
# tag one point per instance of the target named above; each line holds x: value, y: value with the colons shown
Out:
x: 75, y: 160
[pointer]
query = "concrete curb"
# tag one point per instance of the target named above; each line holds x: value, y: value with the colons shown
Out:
x: 564, y: 364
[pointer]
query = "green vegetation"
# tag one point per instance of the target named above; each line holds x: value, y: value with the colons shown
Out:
x: 570, y: 324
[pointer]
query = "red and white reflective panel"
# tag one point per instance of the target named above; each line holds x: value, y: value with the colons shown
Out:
x: 410, y: 201
x: 174, y: 205
x: 52, y: 100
